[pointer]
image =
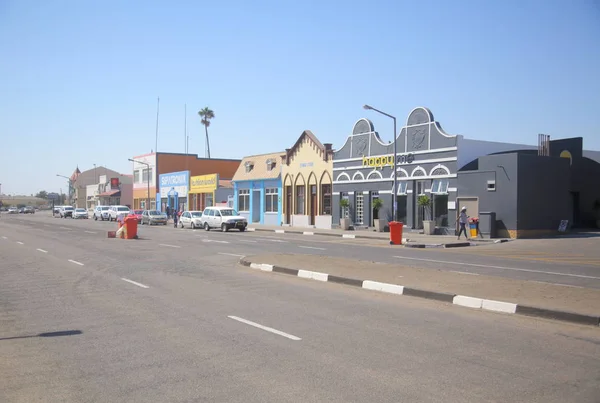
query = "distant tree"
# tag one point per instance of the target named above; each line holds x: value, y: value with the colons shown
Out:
x: 42, y: 194
x: 206, y: 114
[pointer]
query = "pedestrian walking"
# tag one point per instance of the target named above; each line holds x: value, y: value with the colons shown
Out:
x: 463, y: 220
x: 168, y: 212
x: 175, y: 217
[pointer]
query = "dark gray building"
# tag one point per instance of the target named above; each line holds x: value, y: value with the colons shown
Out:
x: 527, y: 193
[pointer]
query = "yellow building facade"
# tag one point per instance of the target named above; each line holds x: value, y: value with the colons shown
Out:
x: 209, y: 190
x: 307, y: 185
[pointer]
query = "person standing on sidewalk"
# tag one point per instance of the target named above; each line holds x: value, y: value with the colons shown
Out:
x: 175, y: 217
x: 463, y: 220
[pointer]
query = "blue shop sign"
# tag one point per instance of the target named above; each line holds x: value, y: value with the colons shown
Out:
x: 174, y: 179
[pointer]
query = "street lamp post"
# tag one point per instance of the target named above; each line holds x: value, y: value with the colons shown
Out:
x: 395, y: 197
x: 70, y: 185
x: 148, y: 180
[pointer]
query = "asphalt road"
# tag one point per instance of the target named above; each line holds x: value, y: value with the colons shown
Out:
x: 565, y: 261
x: 182, y: 322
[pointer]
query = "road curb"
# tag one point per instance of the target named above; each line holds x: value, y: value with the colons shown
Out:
x: 460, y: 300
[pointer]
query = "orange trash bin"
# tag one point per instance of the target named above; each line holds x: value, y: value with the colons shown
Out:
x: 131, y: 223
x: 396, y: 232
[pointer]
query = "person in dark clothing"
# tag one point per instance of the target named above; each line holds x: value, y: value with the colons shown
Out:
x: 168, y: 212
x: 175, y: 217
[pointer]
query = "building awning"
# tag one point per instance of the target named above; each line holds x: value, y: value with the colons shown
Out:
x: 111, y: 193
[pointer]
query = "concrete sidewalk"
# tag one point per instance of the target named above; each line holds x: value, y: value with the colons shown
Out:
x: 408, y: 237
x: 572, y: 304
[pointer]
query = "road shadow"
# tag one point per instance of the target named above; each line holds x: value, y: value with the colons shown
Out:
x: 48, y: 334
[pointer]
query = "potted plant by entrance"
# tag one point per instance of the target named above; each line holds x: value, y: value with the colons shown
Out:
x: 344, y: 222
x: 379, y: 224
x: 424, y: 202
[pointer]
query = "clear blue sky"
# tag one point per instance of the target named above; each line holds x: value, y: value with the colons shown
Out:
x: 80, y: 78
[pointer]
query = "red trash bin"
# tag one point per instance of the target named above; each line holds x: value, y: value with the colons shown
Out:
x: 131, y: 224
x: 396, y: 232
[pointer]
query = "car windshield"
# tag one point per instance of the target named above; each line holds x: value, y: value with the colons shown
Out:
x: 154, y: 212
x: 228, y: 212
x: 138, y: 211
x: 123, y: 209
x: 80, y: 210
x: 104, y: 208
x: 197, y: 214
x: 69, y: 208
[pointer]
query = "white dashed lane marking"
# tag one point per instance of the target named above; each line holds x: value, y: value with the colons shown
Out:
x: 265, y: 328
x: 229, y: 254
x: 134, y: 282
x: 169, y: 246
x: 41, y: 250
x: 311, y: 247
x: 20, y: 243
x: 76, y: 262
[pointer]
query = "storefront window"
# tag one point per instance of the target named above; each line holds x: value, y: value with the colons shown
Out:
x: 244, y: 200
x: 209, y: 200
x: 271, y: 200
x: 326, y: 199
x: 440, y: 210
x: 300, y: 199
x: 439, y: 186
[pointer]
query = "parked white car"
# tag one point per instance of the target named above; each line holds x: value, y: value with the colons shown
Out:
x: 80, y: 213
x: 224, y: 218
x: 115, y: 211
x: 101, y: 213
x: 192, y: 219
x: 66, y: 211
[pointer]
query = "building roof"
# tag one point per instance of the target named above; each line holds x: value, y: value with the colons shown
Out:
x: 259, y: 167
x: 325, y: 151
x: 225, y: 184
x: 110, y: 193
x: 91, y: 176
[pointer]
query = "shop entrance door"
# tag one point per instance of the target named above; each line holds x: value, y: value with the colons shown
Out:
x: 313, y: 203
x: 288, y: 204
x: 359, y: 208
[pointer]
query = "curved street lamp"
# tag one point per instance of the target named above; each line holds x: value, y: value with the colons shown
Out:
x: 395, y: 198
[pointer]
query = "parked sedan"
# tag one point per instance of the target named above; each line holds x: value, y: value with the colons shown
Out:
x: 138, y: 214
x: 154, y: 217
x: 80, y: 213
x: 29, y: 210
x: 192, y: 219
x: 13, y: 210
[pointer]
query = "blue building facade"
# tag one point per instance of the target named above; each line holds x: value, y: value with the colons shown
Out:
x: 258, y: 189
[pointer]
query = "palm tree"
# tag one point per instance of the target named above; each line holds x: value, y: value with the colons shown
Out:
x: 206, y: 114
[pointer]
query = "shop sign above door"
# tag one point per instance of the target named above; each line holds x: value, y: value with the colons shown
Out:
x: 387, y: 160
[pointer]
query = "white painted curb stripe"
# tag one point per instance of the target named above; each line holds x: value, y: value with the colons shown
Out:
x: 313, y: 275
x: 499, y: 306
x: 383, y: 287
x: 265, y: 328
x: 261, y: 266
x: 308, y: 233
x: 348, y: 236
x: 468, y: 302
x: 279, y: 231
x: 251, y: 229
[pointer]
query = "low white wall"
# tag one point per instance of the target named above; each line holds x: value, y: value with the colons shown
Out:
x: 300, y: 221
x: 323, y: 222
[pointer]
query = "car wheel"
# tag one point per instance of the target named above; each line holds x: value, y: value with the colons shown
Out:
x: 95, y: 218
x: 193, y: 225
x: 181, y: 225
x: 242, y: 229
x: 224, y: 228
x: 206, y: 226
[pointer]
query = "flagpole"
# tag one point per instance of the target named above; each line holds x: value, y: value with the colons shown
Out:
x: 157, y: 112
